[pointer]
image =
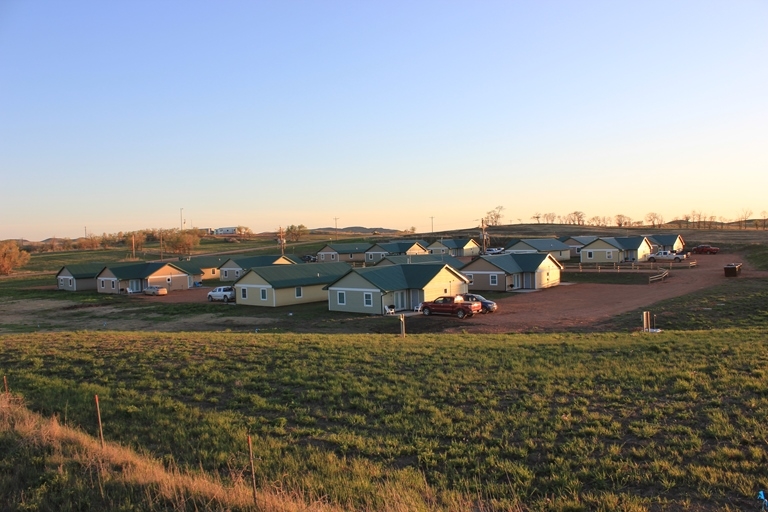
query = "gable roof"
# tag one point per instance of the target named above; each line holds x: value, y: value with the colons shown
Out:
x: 398, y: 247
x: 389, y: 278
x: 88, y: 270
x: 349, y: 248
x: 288, y: 276
x: 255, y: 261
x: 420, y: 259
x: 630, y: 243
x: 456, y: 243
x: 516, y: 263
x: 138, y: 270
x: 189, y: 266
x: 543, y: 244
x: 582, y: 239
x: 665, y: 239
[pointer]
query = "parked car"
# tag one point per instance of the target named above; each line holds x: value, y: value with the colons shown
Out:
x: 155, y: 290
x: 308, y: 258
x: 667, y: 256
x: 224, y: 293
x: 705, y: 249
x: 488, y: 305
x: 451, y: 305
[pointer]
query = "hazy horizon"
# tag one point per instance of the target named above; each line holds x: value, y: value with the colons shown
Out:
x: 121, y: 116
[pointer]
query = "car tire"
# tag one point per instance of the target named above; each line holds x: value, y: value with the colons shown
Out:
x: 677, y: 260
x: 460, y: 314
x: 226, y: 299
x: 484, y: 310
x: 210, y: 299
x: 426, y: 312
x: 652, y: 260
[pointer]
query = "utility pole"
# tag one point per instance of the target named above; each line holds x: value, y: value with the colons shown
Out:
x: 336, y: 224
x: 482, y: 227
x: 181, y: 221
x: 281, y: 241
x: 433, y: 223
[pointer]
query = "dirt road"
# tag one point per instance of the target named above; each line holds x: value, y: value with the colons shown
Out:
x: 581, y: 305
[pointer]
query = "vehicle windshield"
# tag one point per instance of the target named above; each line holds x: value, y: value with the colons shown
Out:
x: 478, y: 297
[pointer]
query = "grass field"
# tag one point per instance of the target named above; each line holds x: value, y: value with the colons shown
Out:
x: 558, y: 422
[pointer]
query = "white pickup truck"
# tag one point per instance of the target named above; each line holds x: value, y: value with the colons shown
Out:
x: 667, y: 256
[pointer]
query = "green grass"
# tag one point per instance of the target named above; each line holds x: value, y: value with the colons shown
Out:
x: 53, y: 261
x: 559, y: 422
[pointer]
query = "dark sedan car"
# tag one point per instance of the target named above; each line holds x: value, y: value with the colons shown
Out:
x: 488, y: 305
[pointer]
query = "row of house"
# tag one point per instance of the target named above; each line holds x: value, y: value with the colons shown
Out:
x: 362, y: 252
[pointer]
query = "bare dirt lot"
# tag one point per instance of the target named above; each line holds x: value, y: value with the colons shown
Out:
x: 562, y: 308
x: 578, y: 306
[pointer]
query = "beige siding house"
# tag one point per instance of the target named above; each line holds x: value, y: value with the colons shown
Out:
x: 377, y: 251
x: 666, y: 242
x: 375, y: 290
x: 422, y: 258
x: 353, y: 253
x: 136, y: 277
x: 286, y: 285
x: 509, y: 272
x: 234, y: 268
x: 616, y: 250
x: 553, y: 246
x: 576, y: 243
x: 78, y: 278
x: 455, y: 247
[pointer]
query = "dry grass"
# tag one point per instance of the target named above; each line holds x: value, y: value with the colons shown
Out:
x: 168, y: 488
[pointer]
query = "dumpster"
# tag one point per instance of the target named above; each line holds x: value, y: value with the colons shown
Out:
x: 732, y: 269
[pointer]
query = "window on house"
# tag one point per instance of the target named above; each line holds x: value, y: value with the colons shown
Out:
x: 351, y: 256
x: 299, y: 292
x: 102, y: 283
x: 609, y: 255
x: 333, y: 256
x: 263, y: 294
x: 226, y: 273
x: 342, y: 298
x: 322, y: 256
x: 370, y: 256
x: 70, y: 282
x: 589, y: 255
x: 471, y: 278
x: 243, y: 293
x: 113, y: 285
x: 237, y: 273
x: 213, y: 271
x: 494, y: 280
x: 368, y: 299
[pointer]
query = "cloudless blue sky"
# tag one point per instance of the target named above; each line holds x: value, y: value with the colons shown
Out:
x: 115, y: 115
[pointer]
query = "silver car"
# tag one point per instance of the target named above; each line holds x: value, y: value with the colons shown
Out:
x: 224, y: 293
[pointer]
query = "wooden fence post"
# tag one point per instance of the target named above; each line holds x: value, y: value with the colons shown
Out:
x: 253, y: 471
x: 98, y: 414
x: 5, y: 384
x: 402, y: 326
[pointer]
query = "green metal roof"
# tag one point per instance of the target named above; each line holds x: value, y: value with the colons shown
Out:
x: 350, y: 248
x: 516, y: 263
x: 255, y: 261
x: 631, y: 243
x: 424, y: 258
x: 289, y: 276
x: 402, y: 277
x: 456, y: 243
x: 543, y: 244
x: 191, y: 267
x: 664, y: 240
x: 399, y: 247
x: 91, y: 270
x: 139, y: 270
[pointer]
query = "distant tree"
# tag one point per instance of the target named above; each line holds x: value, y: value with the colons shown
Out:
x: 90, y: 242
x: 744, y: 216
x: 622, y: 220
x: 66, y: 244
x: 537, y: 217
x: 295, y: 233
x: 135, y: 239
x: 11, y: 257
x: 243, y: 231
x: 493, y: 217
x: 411, y: 230
x: 183, y: 242
x: 654, y: 219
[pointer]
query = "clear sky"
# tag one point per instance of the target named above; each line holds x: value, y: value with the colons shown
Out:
x: 115, y: 115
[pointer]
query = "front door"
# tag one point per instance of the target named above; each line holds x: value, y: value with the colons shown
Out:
x: 400, y: 302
